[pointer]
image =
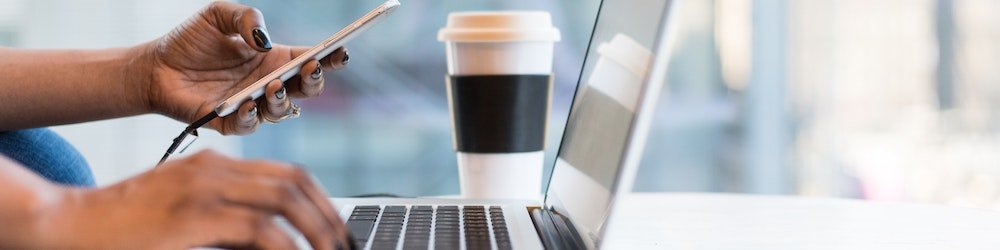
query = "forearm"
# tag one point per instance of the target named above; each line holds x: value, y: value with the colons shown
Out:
x: 27, y: 204
x: 53, y: 87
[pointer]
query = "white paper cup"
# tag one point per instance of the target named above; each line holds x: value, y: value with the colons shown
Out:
x: 499, y: 91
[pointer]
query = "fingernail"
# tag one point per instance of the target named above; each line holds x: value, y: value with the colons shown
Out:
x: 261, y: 38
x: 280, y: 94
x: 317, y: 73
x: 252, y: 112
x: 347, y: 58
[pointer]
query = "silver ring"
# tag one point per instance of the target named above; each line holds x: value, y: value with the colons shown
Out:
x: 292, y: 112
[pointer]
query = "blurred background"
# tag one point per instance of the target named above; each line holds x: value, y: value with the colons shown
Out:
x: 880, y: 100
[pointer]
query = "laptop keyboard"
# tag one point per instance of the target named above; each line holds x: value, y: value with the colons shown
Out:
x: 478, y: 227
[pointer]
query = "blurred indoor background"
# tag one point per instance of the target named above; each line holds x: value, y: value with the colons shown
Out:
x: 881, y: 100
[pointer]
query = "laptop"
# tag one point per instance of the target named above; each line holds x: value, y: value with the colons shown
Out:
x: 623, y: 73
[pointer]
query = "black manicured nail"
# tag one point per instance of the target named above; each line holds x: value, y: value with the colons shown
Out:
x: 280, y: 94
x: 317, y: 73
x: 261, y: 38
x: 252, y: 113
x: 347, y: 58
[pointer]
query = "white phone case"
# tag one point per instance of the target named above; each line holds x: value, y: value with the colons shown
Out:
x: 321, y: 50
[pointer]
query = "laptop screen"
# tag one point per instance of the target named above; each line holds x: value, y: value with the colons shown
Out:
x: 604, y: 106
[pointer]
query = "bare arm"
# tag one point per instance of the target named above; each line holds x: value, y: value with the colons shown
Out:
x: 183, y: 75
x: 52, y: 87
x: 25, y: 197
x: 203, y: 200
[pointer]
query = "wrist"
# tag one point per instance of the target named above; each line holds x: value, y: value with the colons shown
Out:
x: 137, y: 76
x: 43, y: 216
x: 79, y: 219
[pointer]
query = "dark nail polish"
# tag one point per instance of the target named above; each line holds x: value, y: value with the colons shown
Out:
x: 252, y: 112
x: 261, y: 38
x: 347, y: 58
x: 280, y: 94
x: 317, y: 73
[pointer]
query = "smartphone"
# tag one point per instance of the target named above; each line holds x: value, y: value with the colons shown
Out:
x: 321, y: 50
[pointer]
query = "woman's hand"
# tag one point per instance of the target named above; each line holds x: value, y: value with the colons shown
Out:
x: 203, y: 200
x: 218, y: 52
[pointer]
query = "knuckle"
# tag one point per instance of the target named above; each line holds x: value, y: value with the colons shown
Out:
x: 299, y: 174
x: 251, y: 228
x: 252, y: 12
x: 215, y: 6
x: 319, y: 91
x: 278, y: 107
x: 244, y: 128
x: 227, y: 131
x: 202, y: 181
x: 333, y: 62
x: 258, y: 224
x: 287, y: 192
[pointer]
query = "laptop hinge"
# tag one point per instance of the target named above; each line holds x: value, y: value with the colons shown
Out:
x: 555, y: 230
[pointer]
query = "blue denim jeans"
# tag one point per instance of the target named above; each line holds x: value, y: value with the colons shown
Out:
x: 47, y: 154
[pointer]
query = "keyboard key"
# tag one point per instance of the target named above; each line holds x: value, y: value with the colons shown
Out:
x: 360, y: 229
x: 362, y: 217
x: 364, y: 214
x: 393, y: 215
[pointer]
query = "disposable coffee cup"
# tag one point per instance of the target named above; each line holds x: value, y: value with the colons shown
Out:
x: 499, y: 86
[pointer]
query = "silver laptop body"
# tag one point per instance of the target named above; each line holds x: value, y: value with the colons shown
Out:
x: 580, y: 193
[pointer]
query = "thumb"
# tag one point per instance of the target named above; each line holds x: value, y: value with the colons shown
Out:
x: 248, y: 22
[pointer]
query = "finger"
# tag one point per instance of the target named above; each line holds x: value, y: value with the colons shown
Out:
x: 248, y: 22
x: 244, y: 121
x: 270, y: 236
x: 309, y: 82
x: 332, y: 62
x: 246, y: 228
x: 230, y: 227
x: 312, y: 190
x: 311, y: 79
x: 319, y: 197
x: 276, y: 100
x: 282, y: 196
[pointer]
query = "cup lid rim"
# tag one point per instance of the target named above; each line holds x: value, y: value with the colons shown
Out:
x: 499, y: 26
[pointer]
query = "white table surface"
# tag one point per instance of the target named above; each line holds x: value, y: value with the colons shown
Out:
x: 731, y: 221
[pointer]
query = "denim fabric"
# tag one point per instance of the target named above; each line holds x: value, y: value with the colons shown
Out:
x: 47, y: 154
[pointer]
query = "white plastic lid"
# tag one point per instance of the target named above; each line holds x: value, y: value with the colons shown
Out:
x: 499, y: 26
x: 628, y: 53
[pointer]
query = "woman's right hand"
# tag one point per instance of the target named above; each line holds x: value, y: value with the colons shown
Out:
x: 203, y: 200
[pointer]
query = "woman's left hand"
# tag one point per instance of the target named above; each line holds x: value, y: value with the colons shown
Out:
x: 218, y: 52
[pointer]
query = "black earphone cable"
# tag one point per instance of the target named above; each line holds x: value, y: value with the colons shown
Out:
x: 189, y: 130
